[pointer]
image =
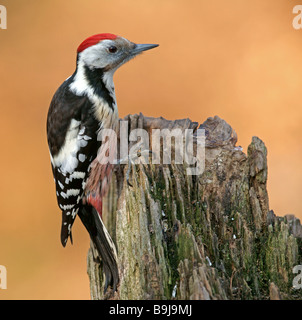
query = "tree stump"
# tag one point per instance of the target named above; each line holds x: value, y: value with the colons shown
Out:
x: 205, y: 237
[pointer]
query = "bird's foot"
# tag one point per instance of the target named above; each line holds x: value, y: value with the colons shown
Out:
x: 134, y: 159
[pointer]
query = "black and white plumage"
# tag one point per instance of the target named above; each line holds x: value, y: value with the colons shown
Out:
x: 83, y: 105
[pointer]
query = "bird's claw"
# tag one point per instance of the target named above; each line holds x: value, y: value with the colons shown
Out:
x: 130, y: 159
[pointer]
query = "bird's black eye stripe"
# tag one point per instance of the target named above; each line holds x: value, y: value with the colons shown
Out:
x: 112, y: 49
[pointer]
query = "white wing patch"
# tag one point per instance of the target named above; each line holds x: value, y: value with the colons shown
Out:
x: 77, y: 175
x: 67, y: 206
x: 61, y: 185
x: 82, y: 157
x: 73, y: 192
x: 63, y: 195
x: 74, y: 212
x: 66, y: 160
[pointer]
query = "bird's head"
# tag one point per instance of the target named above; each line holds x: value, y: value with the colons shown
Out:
x: 108, y: 52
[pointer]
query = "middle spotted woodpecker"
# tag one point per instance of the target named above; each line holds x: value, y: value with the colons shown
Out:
x: 83, y: 105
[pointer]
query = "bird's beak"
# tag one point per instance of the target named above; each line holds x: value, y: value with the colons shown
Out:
x: 138, y: 48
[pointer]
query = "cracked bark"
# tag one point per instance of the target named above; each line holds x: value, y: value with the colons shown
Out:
x: 211, y: 236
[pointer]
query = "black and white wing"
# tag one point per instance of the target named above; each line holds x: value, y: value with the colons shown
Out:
x: 72, y: 138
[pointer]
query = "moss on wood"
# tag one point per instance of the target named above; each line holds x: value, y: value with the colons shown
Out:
x: 211, y: 236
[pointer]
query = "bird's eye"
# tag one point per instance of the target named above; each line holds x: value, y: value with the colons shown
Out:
x: 112, y: 49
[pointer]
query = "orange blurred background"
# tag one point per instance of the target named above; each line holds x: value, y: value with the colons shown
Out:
x: 237, y: 59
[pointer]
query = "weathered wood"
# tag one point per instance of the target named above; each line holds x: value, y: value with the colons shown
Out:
x: 199, y: 237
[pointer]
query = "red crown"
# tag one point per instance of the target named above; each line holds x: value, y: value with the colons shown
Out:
x: 94, y: 40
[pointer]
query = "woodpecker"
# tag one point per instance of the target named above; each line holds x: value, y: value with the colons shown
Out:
x: 83, y: 105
